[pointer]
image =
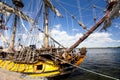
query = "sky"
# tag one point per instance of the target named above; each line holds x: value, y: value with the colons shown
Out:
x: 85, y: 13
x: 67, y: 31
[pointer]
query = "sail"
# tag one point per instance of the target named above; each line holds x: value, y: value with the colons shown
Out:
x: 7, y: 10
x: 38, y: 41
x: 49, y: 4
x: 114, y: 14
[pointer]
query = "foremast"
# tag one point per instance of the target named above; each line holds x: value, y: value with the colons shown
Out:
x: 13, y: 33
x: 18, y: 4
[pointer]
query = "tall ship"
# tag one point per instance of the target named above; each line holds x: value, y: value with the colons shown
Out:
x: 28, y: 47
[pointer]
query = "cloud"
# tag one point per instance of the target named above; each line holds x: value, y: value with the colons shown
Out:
x: 98, y: 39
x: 76, y: 30
x: 57, y: 27
x: 63, y: 37
x: 101, y: 40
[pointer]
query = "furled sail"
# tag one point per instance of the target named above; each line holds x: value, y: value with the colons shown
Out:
x: 7, y: 10
x: 49, y: 4
x: 114, y: 14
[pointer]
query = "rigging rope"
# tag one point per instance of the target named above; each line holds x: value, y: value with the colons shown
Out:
x: 79, y: 10
x: 22, y: 23
x: 71, y: 5
x: 33, y: 40
x: 72, y: 16
x: 67, y: 21
x: 51, y: 37
x: 38, y: 13
x: 98, y: 73
x: 94, y: 13
x: 4, y: 39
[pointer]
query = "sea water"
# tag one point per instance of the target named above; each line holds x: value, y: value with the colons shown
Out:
x: 105, y: 61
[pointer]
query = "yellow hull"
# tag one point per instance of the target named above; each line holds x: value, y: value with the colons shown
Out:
x: 42, y: 69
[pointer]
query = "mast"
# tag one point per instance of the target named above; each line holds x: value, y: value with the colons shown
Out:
x: 46, y: 41
x: 18, y: 4
x: 13, y: 33
x: 48, y: 5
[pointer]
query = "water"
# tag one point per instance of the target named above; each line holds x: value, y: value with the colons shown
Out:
x: 102, y: 60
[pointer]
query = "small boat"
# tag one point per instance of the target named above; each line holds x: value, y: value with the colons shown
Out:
x: 21, y: 51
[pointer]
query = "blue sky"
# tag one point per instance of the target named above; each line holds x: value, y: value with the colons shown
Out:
x: 85, y: 14
x: 67, y: 31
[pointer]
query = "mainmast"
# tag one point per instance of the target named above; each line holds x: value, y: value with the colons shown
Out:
x: 18, y: 4
x: 48, y: 5
x: 46, y: 40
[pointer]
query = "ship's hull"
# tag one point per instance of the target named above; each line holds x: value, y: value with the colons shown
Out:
x: 45, y: 66
x: 43, y: 69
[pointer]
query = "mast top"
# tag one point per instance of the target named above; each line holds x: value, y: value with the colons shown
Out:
x: 18, y: 3
x: 49, y: 4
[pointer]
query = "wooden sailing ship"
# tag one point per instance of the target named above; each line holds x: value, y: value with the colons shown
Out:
x: 47, y: 61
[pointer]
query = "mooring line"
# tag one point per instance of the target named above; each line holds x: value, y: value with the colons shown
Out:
x: 98, y: 73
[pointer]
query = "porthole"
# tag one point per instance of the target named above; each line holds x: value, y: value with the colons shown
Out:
x: 39, y: 67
